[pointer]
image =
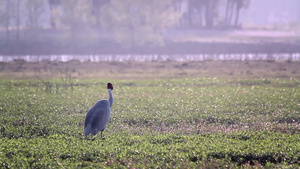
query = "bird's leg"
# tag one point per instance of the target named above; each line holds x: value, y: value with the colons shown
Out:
x: 102, y: 135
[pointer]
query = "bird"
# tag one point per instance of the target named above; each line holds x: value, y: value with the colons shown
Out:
x: 98, y: 116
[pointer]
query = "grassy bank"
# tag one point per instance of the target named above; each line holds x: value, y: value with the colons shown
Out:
x: 21, y: 70
x: 155, y: 123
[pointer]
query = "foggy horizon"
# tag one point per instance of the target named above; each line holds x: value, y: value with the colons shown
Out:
x: 101, y: 26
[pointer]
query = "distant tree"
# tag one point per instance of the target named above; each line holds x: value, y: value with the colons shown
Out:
x: 7, y: 17
x: 75, y: 15
x: 53, y: 11
x: 211, y: 11
x: 4, y: 16
x: 10, y: 16
x: 96, y: 5
x: 197, y: 7
x: 206, y: 10
x: 138, y: 22
x: 13, y: 15
x: 206, y: 13
x: 18, y: 18
x: 2, y: 11
x: 234, y: 7
x: 35, y: 9
x: 184, y: 19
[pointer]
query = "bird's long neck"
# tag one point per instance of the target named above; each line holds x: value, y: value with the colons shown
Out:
x: 111, y: 98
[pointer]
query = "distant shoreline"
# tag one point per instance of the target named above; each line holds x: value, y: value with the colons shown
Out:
x: 154, y: 57
x: 171, y: 48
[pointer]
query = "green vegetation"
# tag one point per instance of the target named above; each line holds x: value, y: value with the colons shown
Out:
x: 155, y: 123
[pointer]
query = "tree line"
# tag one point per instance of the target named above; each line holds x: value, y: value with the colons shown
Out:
x: 132, y: 22
x: 209, y: 14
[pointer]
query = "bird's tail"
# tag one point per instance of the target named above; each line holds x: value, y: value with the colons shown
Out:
x: 87, y: 130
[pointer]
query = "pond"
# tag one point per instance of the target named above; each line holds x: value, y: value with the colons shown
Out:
x: 135, y: 57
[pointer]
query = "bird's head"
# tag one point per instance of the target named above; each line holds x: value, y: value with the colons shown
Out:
x: 110, y: 86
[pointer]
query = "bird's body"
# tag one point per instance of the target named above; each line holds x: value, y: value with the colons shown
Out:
x: 97, y: 118
x: 99, y: 115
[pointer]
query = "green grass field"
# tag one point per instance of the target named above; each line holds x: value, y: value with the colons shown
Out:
x: 191, y: 122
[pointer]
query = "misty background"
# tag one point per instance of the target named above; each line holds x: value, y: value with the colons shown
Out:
x: 148, y: 26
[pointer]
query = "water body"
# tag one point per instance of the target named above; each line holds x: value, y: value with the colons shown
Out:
x: 186, y: 57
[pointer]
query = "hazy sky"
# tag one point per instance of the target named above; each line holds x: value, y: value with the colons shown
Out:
x: 268, y: 12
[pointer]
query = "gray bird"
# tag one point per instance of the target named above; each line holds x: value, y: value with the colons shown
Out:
x: 99, y: 115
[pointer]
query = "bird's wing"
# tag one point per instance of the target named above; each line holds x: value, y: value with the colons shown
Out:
x: 98, y: 115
